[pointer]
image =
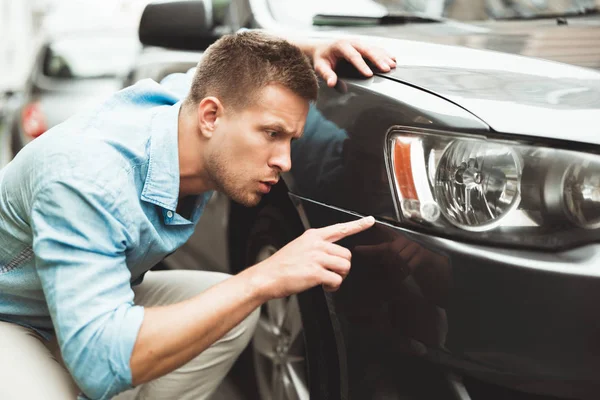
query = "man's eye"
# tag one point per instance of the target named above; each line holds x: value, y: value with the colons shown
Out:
x: 272, y: 134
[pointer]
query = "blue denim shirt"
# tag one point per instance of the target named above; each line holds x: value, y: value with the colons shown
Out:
x: 85, y: 211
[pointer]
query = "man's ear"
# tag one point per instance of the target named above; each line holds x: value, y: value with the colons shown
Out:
x: 209, y: 110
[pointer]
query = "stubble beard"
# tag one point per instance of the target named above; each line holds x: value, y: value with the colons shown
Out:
x: 226, y: 182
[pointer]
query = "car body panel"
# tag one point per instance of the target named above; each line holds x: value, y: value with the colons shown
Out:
x: 469, y: 308
x: 512, y: 94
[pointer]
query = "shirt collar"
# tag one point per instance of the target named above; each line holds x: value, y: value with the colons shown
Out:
x: 162, y: 179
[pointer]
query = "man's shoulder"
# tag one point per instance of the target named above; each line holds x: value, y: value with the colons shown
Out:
x: 126, y: 114
x: 107, y: 148
x: 104, y: 141
x: 144, y: 94
x: 88, y: 161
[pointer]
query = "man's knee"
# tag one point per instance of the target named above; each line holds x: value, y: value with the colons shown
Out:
x: 23, y: 355
x: 161, y: 288
x: 250, y: 322
x: 239, y: 337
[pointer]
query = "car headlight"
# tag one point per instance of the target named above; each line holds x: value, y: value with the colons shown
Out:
x: 582, y: 193
x: 495, y: 190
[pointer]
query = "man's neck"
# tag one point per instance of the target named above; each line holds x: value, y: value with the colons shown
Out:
x: 193, y: 179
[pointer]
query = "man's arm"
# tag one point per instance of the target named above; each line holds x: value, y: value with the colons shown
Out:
x: 80, y: 242
x: 108, y: 343
x: 172, y: 335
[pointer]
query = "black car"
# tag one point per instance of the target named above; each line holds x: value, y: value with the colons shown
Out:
x: 72, y: 70
x: 481, y: 277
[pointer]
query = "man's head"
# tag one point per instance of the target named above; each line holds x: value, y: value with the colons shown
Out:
x: 250, y: 98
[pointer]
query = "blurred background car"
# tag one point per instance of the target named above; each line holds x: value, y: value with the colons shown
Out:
x: 72, y: 70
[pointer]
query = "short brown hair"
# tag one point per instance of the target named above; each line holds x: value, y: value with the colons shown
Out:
x: 237, y: 66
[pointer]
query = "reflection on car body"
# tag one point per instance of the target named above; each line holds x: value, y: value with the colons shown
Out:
x: 480, y: 279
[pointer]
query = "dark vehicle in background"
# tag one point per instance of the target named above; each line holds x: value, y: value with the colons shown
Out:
x: 71, y: 71
x: 481, y: 277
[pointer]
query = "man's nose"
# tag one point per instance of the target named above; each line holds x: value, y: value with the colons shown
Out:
x: 281, y: 160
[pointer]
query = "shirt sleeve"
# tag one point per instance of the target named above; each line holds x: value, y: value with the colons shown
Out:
x: 80, y: 242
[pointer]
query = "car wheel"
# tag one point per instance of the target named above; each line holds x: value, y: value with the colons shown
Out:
x: 278, y: 346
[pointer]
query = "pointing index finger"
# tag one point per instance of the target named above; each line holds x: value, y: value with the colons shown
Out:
x: 336, y: 232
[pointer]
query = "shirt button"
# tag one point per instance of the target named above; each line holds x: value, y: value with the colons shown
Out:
x: 170, y: 214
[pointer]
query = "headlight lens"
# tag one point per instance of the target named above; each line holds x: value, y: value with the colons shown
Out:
x: 477, y: 183
x: 582, y: 193
x: 495, y: 190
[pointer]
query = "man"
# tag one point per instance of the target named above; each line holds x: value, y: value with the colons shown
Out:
x: 87, y: 209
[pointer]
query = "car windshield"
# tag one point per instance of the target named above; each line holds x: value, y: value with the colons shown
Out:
x: 301, y: 13
x: 87, y: 57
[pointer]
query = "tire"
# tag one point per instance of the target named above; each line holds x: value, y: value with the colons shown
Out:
x: 275, y: 224
x: 278, y: 348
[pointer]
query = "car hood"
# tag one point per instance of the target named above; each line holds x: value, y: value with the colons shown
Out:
x: 512, y: 94
x: 491, y: 70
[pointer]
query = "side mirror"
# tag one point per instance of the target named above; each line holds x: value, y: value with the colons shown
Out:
x: 182, y: 25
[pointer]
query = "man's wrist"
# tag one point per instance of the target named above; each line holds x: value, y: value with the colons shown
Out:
x: 258, y: 284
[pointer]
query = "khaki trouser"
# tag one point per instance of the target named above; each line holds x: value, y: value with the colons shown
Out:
x: 31, y: 368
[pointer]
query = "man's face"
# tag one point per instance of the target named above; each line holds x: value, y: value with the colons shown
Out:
x: 250, y: 148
